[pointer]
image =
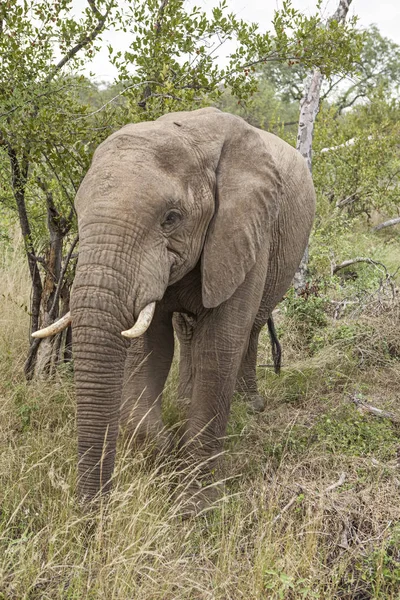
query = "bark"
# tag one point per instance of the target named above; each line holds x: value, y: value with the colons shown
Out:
x: 44, y: 355
x: 44, y: 363
x: 309, y: 106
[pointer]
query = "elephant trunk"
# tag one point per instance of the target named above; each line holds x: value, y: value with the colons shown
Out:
x: 115, y: 282
x: 99, y: 358
x: 102, y: 306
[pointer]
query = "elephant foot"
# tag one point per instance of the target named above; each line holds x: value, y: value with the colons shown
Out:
x: 154, y: 443
x: 198, y: 498
x: 255, y: 402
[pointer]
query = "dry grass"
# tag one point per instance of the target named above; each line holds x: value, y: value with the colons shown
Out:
x: 278, y: 532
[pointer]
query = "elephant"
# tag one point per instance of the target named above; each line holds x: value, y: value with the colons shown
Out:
x: 197, y: 222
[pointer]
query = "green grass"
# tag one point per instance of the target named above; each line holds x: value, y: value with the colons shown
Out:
x: 278, y: 532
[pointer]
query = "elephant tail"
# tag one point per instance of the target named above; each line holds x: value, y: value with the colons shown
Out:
x: 275, y: 345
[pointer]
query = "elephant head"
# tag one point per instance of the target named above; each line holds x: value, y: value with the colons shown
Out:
x: 158, y: 198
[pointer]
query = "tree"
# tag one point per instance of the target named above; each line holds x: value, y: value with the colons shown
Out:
x: 173, y: 61
x: 378, y: 66
x: 45, y: 132
x: 362, y: 177
x: 309, y: 107
x: 357, y: 182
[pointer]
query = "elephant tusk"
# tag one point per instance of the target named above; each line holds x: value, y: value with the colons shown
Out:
x: 142, y: 323
x: 54, y: 328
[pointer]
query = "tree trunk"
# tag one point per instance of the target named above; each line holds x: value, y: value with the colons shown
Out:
x: 309, y: 106
x: 47, y: 352
x: 44, y: 355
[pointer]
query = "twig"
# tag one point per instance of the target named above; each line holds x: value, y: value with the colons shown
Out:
x: 330, y: 488
x: 285, y: 508
x: 348, y: 200
x: 341, y: 305
x: 130, y: 87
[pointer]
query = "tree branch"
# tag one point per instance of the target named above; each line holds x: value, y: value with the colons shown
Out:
x: 358, y: 259
x: 85, y: 41
x: 19, y: 174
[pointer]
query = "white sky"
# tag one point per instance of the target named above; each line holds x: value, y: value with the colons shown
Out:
x: 385, y: 14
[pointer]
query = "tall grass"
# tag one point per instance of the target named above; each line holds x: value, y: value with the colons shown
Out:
x: 288, y: 524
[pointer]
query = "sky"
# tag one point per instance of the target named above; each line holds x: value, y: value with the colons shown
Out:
x: 385, y: 14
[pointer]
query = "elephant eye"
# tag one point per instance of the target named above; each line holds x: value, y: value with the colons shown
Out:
x: 171, y: 219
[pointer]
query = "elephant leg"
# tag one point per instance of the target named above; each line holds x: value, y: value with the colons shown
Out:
x: 219, y: 342
x: 146, y: 370
x: 247, y: 378
x: 184, y: 327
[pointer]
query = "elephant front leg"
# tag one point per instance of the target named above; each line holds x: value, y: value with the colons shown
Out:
x: 219, y: 342
x: 146, y: 370
x: 184, y: 328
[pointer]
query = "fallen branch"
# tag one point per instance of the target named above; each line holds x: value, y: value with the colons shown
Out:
x: 341, y: 305
x: 358, y: 259
x: 389, y: 223
x: 285, y: 508
x: 337, y: 483
x: 292, y: 500
x: 388, y: 281
x: 377, y: 412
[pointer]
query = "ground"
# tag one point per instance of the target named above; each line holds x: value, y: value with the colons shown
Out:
x: 310, y: 503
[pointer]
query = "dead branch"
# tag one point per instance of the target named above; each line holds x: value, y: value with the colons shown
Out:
x: 346, y: 144
x: 359, y: 259
x: 340, y: 305
x: 337, y: 483
x: 292, y: 500
x: 285, y: 508
x: 368, y: 408
x: 348, y: 200
x: 389, y: 223
x: 389, y: 277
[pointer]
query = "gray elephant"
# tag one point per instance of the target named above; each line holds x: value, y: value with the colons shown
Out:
x: 197, y: 215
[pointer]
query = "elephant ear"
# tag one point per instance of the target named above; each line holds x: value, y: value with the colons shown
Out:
x: 248, y: 188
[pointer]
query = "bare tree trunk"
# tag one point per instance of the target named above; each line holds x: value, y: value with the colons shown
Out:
x: 309, y: 106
